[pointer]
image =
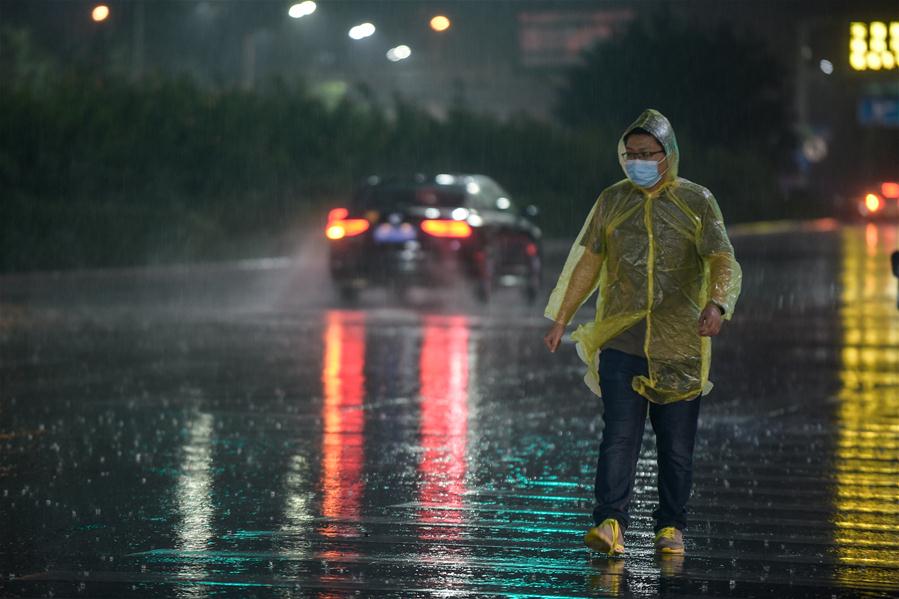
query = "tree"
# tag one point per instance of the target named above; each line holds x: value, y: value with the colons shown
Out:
x: 717, y: 88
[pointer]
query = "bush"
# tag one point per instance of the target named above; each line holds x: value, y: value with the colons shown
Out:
x: 102, y: 172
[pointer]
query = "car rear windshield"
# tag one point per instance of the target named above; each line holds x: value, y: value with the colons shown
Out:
x: 380, y: 197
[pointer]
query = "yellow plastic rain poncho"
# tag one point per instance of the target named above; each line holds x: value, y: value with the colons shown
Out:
x: 658, y: 259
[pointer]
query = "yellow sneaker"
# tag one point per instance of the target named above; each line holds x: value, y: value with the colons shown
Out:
x: 670, y: 540
x: 606, y: 538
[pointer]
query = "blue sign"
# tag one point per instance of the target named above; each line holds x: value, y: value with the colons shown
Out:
x: 878, y: 110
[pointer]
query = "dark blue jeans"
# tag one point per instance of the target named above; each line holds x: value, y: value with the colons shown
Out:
x: 624, y: 415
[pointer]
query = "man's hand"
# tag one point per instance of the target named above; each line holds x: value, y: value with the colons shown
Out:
x: 710, y: 321
x: 553, y: 338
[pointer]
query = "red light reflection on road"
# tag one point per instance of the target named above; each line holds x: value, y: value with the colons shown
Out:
x: 443, y: 427
x: 871, y: 238
x: 343, y: 383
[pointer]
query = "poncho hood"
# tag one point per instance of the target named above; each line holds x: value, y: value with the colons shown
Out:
x: 658, y: 126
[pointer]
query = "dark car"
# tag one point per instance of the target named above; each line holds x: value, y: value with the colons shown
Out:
x: 431, y: 231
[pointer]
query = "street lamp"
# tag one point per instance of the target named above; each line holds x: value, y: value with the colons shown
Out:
x: 303, y: 9
x: 100, y: 13
x: 399, y: 53
x: 440, y: 23
x: 362, y: 31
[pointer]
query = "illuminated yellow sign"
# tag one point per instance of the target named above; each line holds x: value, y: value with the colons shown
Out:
x: 874, y: 46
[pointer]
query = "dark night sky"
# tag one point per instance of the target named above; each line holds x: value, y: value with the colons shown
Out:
x: 479, y: 57
x: 207, y: 34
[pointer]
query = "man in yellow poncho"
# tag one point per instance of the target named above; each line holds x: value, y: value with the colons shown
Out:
x: 655, y: 246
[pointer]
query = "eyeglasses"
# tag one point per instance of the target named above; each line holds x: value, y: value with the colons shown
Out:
x: 641, y: 155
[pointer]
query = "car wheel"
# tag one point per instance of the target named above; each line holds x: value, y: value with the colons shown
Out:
x: 483, y: 286
x: 532, y: 285
x: 482, y: 291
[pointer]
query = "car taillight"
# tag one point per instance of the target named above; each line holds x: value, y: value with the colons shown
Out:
x: 531, y: 249
x: 890, y: 189
x: 339, y: 226
x: 456, y: 229
x: 872, y: 202
x: 337, y: 214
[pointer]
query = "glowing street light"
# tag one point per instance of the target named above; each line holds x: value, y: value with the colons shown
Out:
x: 100, y: 13
x: 303, y: 9
x: 399, y: 53
x: 362, y: 31
x: 440, y: 23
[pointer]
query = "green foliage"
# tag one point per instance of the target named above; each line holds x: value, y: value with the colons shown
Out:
x: 100, y: 171
x: 720, y: 88
x: 105, y: 172
x: 725, y: 96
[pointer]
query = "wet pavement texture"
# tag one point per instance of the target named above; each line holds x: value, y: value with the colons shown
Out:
x: 232, y: 431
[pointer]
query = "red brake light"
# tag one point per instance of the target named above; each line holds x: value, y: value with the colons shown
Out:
x: 872, y: 202
x: 446, y: 228
x: 337, y: 214
x: 890, y: 189
x: 339, y: 226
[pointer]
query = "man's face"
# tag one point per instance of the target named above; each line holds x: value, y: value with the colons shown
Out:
x: 642, y: 146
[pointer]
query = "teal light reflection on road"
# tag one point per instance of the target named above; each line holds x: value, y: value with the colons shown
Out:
x: 553, y: 483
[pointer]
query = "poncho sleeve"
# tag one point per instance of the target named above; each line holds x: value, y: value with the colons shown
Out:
x: 580, y: 274
x: 725, y: 274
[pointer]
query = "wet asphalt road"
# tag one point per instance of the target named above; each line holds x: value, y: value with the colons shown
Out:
x: 231, y: 431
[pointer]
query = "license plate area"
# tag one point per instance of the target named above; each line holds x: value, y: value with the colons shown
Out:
x: 388, y: 233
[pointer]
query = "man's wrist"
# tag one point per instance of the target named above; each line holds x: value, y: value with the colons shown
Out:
x: 719, y: 306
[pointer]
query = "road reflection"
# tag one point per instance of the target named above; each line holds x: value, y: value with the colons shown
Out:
x: 343, y: 422
x: 607, y: 576
x: 443, y: 437
x: 443, y: 428
x: 194, y: 498
x: 867, y: 455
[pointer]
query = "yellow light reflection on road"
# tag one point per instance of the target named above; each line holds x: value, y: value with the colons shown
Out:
x: 867, y: 453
